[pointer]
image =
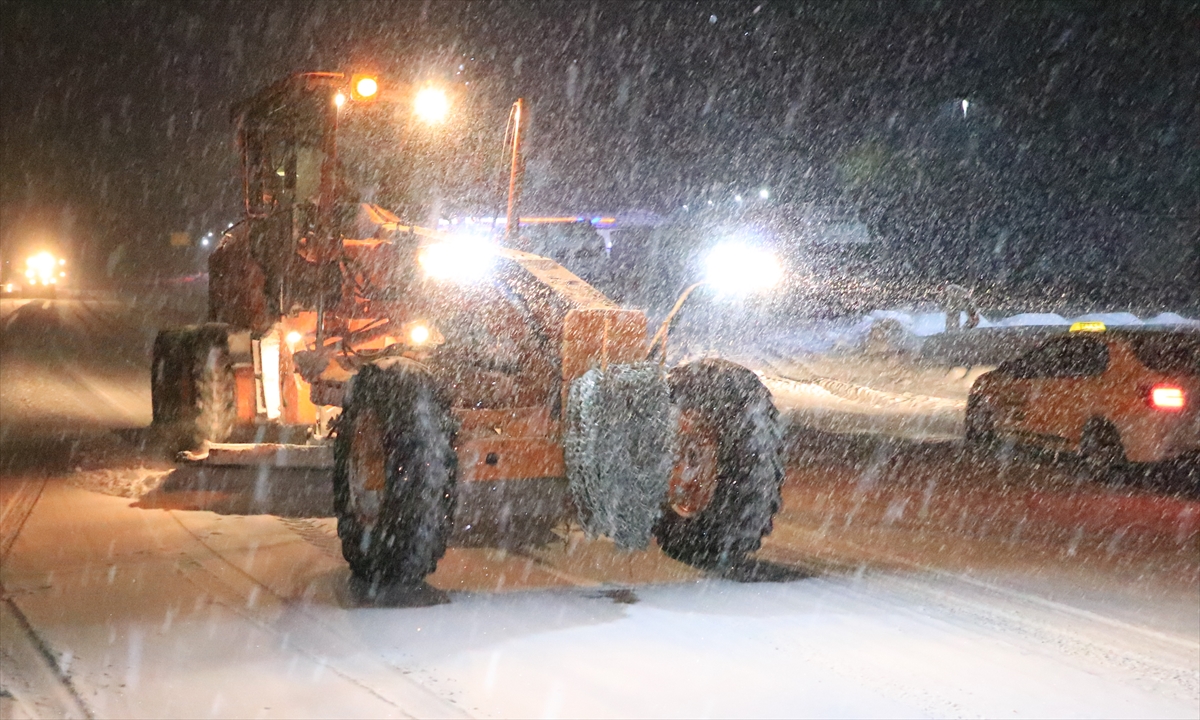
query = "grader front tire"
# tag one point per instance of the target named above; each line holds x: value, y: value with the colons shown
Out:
x: 394, y: 474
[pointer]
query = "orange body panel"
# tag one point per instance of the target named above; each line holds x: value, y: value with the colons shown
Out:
x: 298, y: 408
x: 510, y: 459
x: 243, y: 379
x: 599, y: 336
x: 513, y: 443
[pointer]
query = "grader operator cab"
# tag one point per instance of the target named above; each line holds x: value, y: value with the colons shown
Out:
x: 447, y: 383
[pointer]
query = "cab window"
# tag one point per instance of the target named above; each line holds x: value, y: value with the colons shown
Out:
x: 1068, y: 357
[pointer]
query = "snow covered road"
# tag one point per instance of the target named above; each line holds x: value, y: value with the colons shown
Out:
x: 904, y: 579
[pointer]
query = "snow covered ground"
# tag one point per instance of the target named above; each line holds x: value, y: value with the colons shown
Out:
x: 903, y: 578
x: 184, y: 614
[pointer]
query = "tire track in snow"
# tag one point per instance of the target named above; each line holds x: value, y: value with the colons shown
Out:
x: 34, y: 677
x: 31, y: 673
x: 1067, y: 630
x: 314, y: 533
x: 304, y: 632
x: 17, y: 510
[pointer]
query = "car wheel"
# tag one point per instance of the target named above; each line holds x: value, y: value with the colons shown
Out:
x: 980, y: 423
x: 1102, y: 452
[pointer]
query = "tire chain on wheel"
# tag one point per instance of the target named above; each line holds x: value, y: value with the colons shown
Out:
x: 416, y: 512
x: 619, y: 450
x: 749, y: 466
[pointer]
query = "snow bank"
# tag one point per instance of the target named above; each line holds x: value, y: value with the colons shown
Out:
x: 822, y: 336
x: 1170, y: 318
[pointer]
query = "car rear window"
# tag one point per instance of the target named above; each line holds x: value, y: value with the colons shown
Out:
x: 1073, y: 356
x: 1168, y: 352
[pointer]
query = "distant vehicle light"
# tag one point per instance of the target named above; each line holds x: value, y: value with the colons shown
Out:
x: 431, y: 105
x: 462, y: 260
x: 1167, y: 397
x: 365, y: 87
x: 419, y: 334
x: 740, y: 269
x: 41, y: 268
x: 293, y: 338
x: 1088, y: 326
x: 339, y: 100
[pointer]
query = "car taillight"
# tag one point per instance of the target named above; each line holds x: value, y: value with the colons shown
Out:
x: 1167, y: 397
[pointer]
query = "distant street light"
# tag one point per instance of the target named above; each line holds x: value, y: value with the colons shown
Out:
x: 965, y: 104
x: 431, y: 105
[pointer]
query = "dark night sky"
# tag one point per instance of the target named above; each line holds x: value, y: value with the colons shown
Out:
x: 115, y: 115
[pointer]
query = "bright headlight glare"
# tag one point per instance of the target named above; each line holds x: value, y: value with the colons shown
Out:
x: 42, y: 267
x: 740, y: 269
x: 366, y: 86
x: 419, y: 334
x: 460, y: 261
x: 431, y: 105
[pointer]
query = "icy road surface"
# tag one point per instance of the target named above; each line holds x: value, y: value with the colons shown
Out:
x: 904, y: 578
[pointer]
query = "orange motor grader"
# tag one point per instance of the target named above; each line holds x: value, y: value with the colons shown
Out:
x: 449, y: 384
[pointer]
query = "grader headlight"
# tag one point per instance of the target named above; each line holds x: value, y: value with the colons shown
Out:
x: 737, y: 269
x: 431, y: 105
x: 457, y: 260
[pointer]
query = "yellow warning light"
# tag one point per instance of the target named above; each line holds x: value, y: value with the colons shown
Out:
x: 363, y: 87
x: 1088, y: 326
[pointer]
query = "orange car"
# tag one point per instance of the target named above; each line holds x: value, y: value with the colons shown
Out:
x: 1112, y: 396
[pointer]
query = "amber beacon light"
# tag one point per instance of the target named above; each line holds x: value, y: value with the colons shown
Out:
x: 364, y: 87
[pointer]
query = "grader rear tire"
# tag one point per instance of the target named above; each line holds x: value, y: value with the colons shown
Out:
x: 394, y: 473
x: 726, y: 489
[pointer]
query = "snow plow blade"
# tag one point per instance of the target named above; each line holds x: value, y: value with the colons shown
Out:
x: 258, y: 454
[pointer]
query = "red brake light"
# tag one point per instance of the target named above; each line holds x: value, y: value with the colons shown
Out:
x: 1167, y: 397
